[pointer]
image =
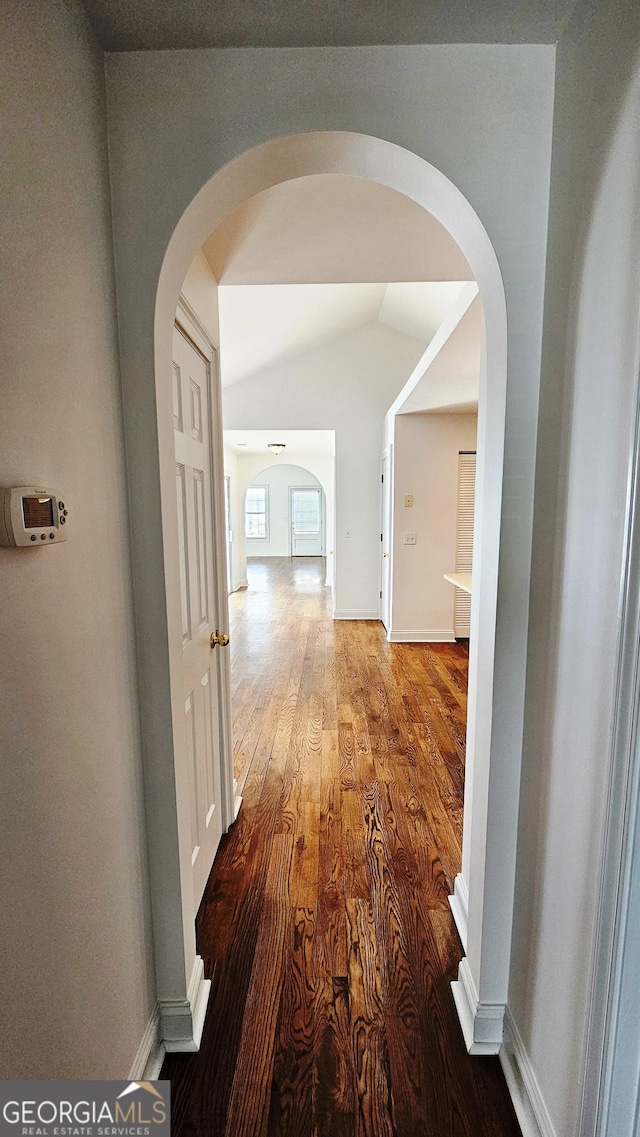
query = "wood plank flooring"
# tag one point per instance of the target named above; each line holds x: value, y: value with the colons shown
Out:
x: 325, y: 925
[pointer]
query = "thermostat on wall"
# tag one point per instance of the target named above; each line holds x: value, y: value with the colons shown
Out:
x: 31, y: 517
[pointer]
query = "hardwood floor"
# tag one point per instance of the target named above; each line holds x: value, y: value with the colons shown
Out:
x: 325, y: 925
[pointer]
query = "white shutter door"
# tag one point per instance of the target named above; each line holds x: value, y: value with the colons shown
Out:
x: 464, y: 540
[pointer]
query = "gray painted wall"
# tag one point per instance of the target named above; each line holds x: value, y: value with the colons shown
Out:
x: 75, y: 944
x: 589, y: 381
x: 481, y: 114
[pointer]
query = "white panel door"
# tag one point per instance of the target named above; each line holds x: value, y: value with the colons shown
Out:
x: 191, y: 420
x: 305, y: 513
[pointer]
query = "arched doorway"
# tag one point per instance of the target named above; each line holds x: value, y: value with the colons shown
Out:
x: 484, y: 892
x: 282, y: 482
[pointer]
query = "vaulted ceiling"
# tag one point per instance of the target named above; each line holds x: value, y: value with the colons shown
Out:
x: 330, y: 228
x: 262, y: 326
x: 316, y: 258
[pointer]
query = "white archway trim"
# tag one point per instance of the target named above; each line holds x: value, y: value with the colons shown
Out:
x: 493, y: 744
x: 253, y: 476
x: 310, y: 463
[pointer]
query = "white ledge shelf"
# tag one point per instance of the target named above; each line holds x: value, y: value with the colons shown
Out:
x: 460, y: 579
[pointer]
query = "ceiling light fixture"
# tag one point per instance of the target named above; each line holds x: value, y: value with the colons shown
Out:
x: 276, y: 447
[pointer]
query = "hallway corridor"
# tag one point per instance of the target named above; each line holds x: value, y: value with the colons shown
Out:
x: 325, y: 925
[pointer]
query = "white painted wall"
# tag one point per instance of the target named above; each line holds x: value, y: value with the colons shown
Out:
x: 590, y: 375
x: 75, y: 939
x: 345, y: 386
x: 425, y: 458
x: 278, y: 480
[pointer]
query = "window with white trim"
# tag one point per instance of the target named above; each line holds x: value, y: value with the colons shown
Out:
x: 256, y: 514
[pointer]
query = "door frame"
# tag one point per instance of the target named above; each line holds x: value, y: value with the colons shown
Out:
x: 188, y: 320
x: 386, y: 525
x: 183, y: 991
x: 320, y: 490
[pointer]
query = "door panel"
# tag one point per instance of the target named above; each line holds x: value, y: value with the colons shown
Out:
x: 201, y: 547
x: 182, y: 554
x: 190, y: 727
x: 195, y: 546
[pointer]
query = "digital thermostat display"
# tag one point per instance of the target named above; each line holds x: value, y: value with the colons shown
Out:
x: 38, y: 512
x: 31, y: 517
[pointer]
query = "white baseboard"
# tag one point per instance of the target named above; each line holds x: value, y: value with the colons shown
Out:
x: 150, y: 1054
x: 526, y: 1095
x: 482, y: 1023
x: 459, y: 903
x: 240, y: 584
x: 356, y: 614
x: 237, y: 796
x: 420, y: 636
x: 182, y: 1020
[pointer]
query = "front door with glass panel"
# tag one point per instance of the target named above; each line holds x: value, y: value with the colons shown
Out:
x: 305, y: 513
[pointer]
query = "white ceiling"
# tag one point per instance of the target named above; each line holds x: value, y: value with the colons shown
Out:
x: 450, y: 376
x: 261, y: 326
x: 134, y: 25
x: 418, y: 309
x: 310, y: 263
x: 296, y: 442
x: 331, y: 228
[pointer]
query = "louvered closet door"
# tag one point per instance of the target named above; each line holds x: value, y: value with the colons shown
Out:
x: 464, y: 541
x: 195, y: 537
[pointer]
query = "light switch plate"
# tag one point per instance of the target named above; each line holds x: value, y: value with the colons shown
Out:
x: 410, y: 538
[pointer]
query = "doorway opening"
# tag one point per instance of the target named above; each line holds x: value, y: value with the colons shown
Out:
x: 388, y: 166
x: 285, y: 513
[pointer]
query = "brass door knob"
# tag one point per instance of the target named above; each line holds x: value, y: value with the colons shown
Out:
x: 218, y: 638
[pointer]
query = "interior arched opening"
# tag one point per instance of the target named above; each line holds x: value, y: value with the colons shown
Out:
x: 280, y: 163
